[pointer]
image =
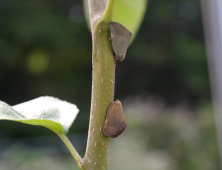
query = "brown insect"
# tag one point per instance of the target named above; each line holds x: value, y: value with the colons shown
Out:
x: 115, y: 122
x: 120, y: 39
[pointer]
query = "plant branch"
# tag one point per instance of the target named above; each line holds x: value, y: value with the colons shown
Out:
x: 96, y: 156
x: 71, y: 149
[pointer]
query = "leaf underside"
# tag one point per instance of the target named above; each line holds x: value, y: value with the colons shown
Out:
x: 50, y: 112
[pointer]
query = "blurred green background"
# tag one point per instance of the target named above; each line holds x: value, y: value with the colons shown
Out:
x: 45, y: 49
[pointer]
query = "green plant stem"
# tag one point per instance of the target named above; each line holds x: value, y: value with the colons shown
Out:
x: 71, y: 149
x: 107, y: 17
x: 103, y: 61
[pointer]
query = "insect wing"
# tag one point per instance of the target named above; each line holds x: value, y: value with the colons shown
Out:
x: 115, y: 122
x: 120, y: 39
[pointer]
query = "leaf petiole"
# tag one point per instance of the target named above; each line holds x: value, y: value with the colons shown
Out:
x: 71, y: 148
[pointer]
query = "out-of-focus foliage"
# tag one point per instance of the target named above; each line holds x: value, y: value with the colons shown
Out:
x: 45, y: 49
x: 166, y: 138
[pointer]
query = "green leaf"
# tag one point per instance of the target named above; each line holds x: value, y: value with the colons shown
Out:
x: 129, y: 13
x: 50, y: 112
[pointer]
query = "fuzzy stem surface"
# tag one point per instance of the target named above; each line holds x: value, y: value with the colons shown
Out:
x: 103, y: 81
